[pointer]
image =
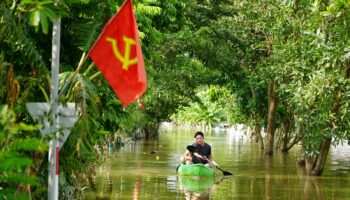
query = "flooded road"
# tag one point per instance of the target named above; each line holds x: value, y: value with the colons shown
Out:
x: 147, y: 170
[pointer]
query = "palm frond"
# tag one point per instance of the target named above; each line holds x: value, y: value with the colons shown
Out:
x: 87, y: 34
x: 82, y: 91
x: 84, y: 24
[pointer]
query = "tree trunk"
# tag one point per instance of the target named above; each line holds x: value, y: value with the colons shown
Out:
x: 258, y: 135
x: 256, y: 119
x: 257, y: 131
x: 291, y: 144
x: 309, y: 164
x: 314, y: 167
x: 286, y: 138
x: 270, y: 131
x: 321, y: 159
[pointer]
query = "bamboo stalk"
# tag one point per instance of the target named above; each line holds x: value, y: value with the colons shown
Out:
x: 89, y: 69
x: 94, y: 75
x: 80, y: 65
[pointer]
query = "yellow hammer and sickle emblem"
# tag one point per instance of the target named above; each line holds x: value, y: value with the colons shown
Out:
x: 126, y: 58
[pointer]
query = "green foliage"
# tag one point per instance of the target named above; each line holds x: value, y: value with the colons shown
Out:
x: 214, y: 104
x: 16, y: 142
x: 41, y: 12
x: 16, y: 39
x: 115, y: 118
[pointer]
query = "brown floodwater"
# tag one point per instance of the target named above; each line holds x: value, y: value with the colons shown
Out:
x: 147, y: 170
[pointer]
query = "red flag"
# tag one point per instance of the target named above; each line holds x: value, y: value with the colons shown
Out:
x: 117, y: 54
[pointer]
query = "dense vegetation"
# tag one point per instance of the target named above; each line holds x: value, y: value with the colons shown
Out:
x: 283, y: 65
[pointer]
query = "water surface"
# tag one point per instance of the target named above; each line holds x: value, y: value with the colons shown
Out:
x: 147, y: 170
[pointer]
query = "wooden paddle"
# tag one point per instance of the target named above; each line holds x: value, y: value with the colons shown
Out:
x: 192, y: 149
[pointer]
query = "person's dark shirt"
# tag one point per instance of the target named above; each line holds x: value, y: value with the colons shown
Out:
x: 204, y: 150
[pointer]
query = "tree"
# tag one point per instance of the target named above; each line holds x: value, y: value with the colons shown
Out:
x: 314, y: 77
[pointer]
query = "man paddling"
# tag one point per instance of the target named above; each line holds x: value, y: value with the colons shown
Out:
x: 201, y: 151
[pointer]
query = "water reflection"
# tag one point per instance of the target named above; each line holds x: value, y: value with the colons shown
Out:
x: 137, y: 188
x: 189, y: 195
x: 101, y: 190
x: 198, y: 187
x: 172, y: 183
x: 312, y: 186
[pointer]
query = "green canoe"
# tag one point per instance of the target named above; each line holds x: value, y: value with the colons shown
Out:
x: 195, y: 170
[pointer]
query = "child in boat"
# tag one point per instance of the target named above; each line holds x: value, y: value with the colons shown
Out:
x: 186, y: 158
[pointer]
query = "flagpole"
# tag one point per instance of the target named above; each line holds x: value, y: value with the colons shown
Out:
x: 54, y: 143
